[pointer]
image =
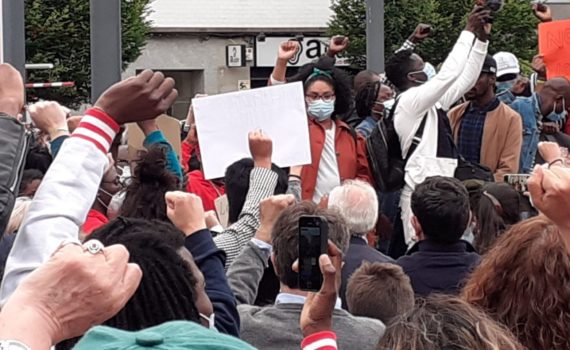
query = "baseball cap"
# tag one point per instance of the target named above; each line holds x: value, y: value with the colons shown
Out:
x: 490, y: 65
x: 507, y: 63
x: 173, y: 335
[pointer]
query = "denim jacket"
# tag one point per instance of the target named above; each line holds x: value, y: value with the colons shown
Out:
x: 366, y: 126
x: 529, y: 109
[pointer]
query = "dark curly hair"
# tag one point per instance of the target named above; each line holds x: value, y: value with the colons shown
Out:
x: 522, y: 282
x: 144, y: 197
x: 339, y: 80
x: 398, y: 67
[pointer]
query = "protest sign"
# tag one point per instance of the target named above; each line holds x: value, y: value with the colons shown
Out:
x: 169, y: 126
x: 224, y: 121
x: 554, y: 45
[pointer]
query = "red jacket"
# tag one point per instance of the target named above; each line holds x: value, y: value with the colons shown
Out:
x: 94, y: 220
x: 206, y: 190
x: 351, y: 156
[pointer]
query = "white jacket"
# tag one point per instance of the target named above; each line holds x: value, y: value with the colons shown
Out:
x: 63, y: 200
x: 458, y: 74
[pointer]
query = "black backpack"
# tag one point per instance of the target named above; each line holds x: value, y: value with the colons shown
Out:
x: 385, y: 153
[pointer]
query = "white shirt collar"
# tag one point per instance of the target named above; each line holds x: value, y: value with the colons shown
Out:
x: 286, y: 298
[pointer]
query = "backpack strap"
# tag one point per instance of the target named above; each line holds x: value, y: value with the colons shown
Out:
x: 417, y: 138
x: 419, y: 134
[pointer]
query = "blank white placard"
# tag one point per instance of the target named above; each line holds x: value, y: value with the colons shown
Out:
x: 224, y: 121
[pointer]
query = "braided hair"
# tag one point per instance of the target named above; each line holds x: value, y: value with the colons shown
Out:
x: 144, y: 197
x: 366, y: 97
x: 167, y: 290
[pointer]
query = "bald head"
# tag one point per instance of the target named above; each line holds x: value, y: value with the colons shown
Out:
x: 357, y: 203
x: 365, y: 77
x: 558, y: 85
x: 554, y: 96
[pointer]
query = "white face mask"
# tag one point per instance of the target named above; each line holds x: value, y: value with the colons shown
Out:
x: 115, y: 205
x: 211, y: 320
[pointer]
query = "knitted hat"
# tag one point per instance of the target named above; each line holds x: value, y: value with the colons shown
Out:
x: 168, y: 336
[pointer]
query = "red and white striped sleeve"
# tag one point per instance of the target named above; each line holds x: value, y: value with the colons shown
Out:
x: 320, y: 341
x: 98, y: 128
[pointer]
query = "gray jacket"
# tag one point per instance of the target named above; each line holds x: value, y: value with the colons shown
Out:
x: 277, y: 327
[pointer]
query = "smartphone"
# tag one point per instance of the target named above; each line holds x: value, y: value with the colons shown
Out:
x: 313, y: 241
x: 518, y: 181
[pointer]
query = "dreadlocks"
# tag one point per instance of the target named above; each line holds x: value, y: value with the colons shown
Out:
x: 365, y: 98
x: 167, y: 290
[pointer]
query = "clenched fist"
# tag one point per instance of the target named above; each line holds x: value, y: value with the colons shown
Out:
x: 49, y: 117
x: 288, y: 50
x: 186, y: 212
x: 139, y: 98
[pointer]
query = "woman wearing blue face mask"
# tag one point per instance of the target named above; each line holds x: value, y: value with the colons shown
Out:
x: 338, y: 153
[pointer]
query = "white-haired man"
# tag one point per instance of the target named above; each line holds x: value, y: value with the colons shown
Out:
x: 357, y: 202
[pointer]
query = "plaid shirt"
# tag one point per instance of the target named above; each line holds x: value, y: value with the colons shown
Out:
x: 471, y: 131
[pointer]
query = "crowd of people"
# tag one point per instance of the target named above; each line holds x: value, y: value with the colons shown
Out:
x: 469, y: 248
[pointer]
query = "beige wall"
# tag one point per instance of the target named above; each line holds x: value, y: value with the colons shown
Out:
x: 198, y: 64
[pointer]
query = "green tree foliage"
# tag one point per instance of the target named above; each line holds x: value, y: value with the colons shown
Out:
x: 58, y: 32
x: 514, y: 28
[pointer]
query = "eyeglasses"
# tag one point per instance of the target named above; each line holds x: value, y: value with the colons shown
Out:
x: 314, y: 97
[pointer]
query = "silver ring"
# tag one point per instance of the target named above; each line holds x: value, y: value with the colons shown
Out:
x: 94, y: 246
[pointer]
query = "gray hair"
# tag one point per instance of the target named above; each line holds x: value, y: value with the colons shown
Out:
x: 18, y: 213
x: 357, y: 202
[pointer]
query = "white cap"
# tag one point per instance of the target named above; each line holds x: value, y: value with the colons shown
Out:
x: 507, y: 63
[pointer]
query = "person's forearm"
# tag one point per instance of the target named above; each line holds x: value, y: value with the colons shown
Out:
x: 246, y: 272
x: 416, y: 101
x: 211, y: 260
x: 469, y: 75
x: 280, y: 71
x: 61, y: 203
x: 156, y: 137
x: 262, y: 185
x: 23, y: 325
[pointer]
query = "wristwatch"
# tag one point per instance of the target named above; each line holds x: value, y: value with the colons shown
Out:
x: 13, y: 345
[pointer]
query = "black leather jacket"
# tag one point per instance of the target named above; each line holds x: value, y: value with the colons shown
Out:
x: 14, y: 144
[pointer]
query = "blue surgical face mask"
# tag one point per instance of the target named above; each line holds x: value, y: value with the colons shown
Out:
x: 558, y: 117
x: 430, y: 71
x: 320, y: 109
x: 504, y: 86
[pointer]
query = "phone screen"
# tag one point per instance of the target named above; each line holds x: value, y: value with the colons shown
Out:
x: 312, y: 243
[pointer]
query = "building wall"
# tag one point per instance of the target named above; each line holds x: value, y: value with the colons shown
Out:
x: 197, y: 63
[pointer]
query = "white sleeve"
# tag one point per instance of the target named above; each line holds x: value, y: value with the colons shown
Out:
x: 415, y: 102
x: 469, y: 77
x: 63, y: 200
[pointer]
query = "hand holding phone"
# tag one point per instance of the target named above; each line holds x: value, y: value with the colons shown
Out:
x: 313, y: 242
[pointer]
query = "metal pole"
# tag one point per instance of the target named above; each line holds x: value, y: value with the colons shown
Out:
x: 106, y: 60
x: 13, y: 34
x: 375, y: 35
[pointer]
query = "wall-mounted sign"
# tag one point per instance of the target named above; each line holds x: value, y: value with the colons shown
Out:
x: 244, y: 85
x: 311, y: 49
x: 235, y: 55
